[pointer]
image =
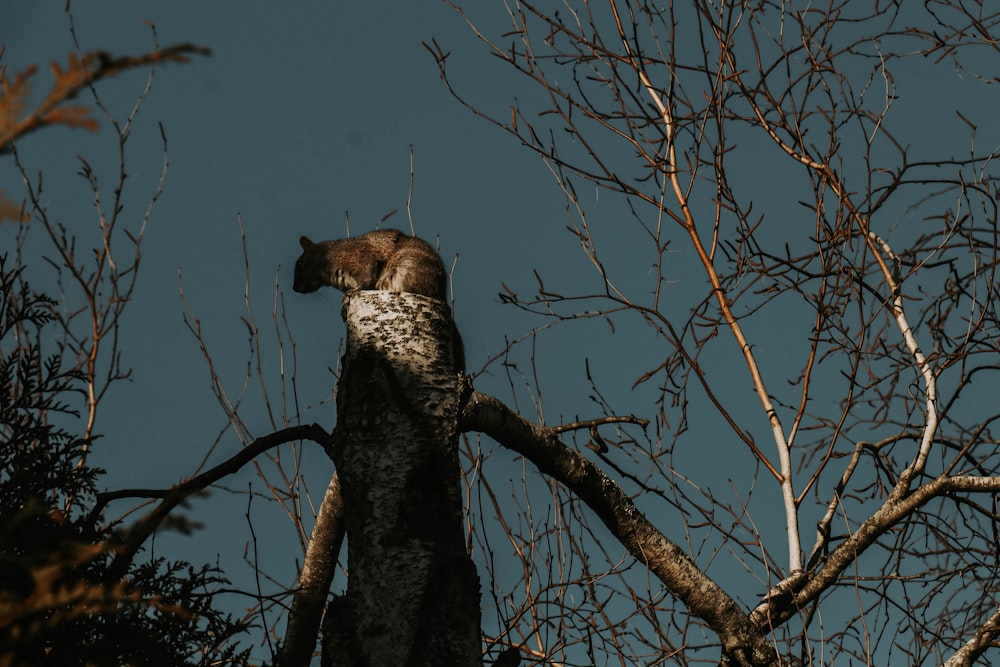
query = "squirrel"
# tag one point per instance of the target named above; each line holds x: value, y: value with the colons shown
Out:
x: 385, y: 259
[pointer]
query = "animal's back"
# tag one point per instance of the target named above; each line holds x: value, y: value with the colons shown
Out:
x: 414, y: 267
x: 385, y: 259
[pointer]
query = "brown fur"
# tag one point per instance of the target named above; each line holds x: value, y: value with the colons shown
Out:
x: 386, y: 259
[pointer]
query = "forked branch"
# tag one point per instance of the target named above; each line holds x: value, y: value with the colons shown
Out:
x: 688, y: 222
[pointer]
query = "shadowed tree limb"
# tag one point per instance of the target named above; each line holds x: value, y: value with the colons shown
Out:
x: 136, y: 536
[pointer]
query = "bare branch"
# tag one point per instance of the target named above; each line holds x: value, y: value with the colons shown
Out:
x: 137, y: 534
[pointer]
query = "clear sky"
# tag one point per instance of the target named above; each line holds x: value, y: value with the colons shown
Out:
x: 303, y: 115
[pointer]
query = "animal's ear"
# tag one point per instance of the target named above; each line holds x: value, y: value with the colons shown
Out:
x: 305, y: 242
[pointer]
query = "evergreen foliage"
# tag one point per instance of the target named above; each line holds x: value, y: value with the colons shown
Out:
x: 58, y: 604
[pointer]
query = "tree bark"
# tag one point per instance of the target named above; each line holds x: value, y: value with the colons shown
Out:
x: 320, y: 562
x: 412, y: 590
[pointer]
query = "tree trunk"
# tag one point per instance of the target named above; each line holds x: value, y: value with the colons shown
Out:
x: 412, y: 591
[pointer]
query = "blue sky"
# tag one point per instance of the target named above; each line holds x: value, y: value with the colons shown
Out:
x: 300, y: 118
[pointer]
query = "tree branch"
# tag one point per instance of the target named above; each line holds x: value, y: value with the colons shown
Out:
x: 306, y: 612
x: 682, y: 577
x: 687, y: 221
x: 138, y: 533
x: 888, y: 516
x: 81, y: 72
x: 984, y: 638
